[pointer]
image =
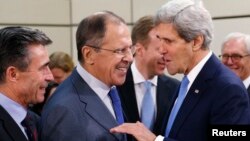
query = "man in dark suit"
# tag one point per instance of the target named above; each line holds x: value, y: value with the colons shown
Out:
x: 235, y: 54
x: 210, y: 94
x: 82, y: 108
x: 24, y: 75
x: 148, y: 65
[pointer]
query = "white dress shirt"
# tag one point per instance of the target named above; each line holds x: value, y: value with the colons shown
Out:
x: 15, y: 110
x: 246, y: 82
x: 140, y: 88
x: 98, y: 87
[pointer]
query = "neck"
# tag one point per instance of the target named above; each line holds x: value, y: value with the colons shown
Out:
x: 143, y: 70
x: 197, y: 57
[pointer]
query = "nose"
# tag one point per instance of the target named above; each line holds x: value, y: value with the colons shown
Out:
x: 128, y: 57
x: 229, y: 61
x: 49, y: 76
x: 163, y: 50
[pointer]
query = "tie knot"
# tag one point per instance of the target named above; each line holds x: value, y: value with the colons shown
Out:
x: 147, y: 84
x: 29, y: 125
x: 27, y: 121
x: 185, y: 80
x: 113, y: 94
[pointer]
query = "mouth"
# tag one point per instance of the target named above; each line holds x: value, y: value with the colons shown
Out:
x: 162, y: 63
x: 43, y: 89
x: 122, y: 69
x: 166, y: 61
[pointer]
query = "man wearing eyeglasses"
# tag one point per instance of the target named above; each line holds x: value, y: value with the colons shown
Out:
x: 86, y: 105
x: 235, y: 54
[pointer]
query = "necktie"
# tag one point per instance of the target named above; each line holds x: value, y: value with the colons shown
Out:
x: 177, y: 105
x: 30, y: 129
x: 147, y: 109
x: 113, y: 94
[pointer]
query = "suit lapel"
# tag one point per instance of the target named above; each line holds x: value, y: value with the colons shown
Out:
x: 194, y: 94
x: 248, y: 91
x: 163, y: 98
x: 94, y: 106
x: 10, y: 126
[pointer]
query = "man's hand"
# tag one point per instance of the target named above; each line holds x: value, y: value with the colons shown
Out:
x: 138, y: 130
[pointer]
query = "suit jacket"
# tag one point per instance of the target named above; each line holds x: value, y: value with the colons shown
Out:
x: 248, y: 90
x: 166, y: 87
x: 76, y: 113
x: 217, y: 96
x: 9, y: 130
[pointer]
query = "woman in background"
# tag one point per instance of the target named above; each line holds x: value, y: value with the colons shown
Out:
x: 61, y: 66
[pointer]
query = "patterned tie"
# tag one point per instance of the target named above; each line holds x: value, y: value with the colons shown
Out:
x: 177, y: 105
x: 30, y: 129
x: 147, y: 108
x: 113, y: 94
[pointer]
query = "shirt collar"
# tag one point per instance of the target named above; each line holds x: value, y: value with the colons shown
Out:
x: 196, y: 70
x: 246, y: 82
x: 95, y: 84
x: 138, y: 77
x: 16, y: 111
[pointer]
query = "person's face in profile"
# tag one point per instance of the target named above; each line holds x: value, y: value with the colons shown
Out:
x: 179, y: 55
x: 33, y: 82
x: 152, y: 54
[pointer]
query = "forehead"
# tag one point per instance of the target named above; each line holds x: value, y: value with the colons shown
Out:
x: 117, y: 33
x: 166, y: 30
x: 235, y: 45
x: 38, y: 54
x: 152, y: 32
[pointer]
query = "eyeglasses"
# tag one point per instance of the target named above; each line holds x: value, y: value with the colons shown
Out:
x: 121, y: 51
x: 234, y: 57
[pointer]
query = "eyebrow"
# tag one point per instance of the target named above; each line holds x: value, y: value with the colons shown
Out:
x: 162, y: 38
x: 45, y: 65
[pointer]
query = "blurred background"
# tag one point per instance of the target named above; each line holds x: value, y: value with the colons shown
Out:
x: 59, y: 18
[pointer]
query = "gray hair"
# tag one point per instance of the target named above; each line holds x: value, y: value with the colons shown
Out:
x: 189, y: 18
x: 237, y: 35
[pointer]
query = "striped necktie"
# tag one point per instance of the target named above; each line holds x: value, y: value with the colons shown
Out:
x: 29, y: 125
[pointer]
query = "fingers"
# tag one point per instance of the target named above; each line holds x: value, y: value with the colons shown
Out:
x: 128, y: 128
x: 138, y: 130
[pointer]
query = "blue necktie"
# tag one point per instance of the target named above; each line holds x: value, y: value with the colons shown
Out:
x: 147, y: 109
x: 113, y: 94
x: 177, y: 105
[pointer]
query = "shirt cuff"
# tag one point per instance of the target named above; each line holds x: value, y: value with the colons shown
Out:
x: 159, y: 138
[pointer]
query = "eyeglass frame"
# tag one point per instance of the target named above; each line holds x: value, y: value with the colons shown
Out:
x: 234, y: 57
x: 121, y: 51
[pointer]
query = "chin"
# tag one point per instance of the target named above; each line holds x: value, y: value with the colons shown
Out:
x: 40, y: 99
x: 118, y: 83
x: 172, y: 72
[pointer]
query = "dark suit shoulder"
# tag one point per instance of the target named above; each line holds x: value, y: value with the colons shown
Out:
x: 9, y: 130
x: 169, y: 79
